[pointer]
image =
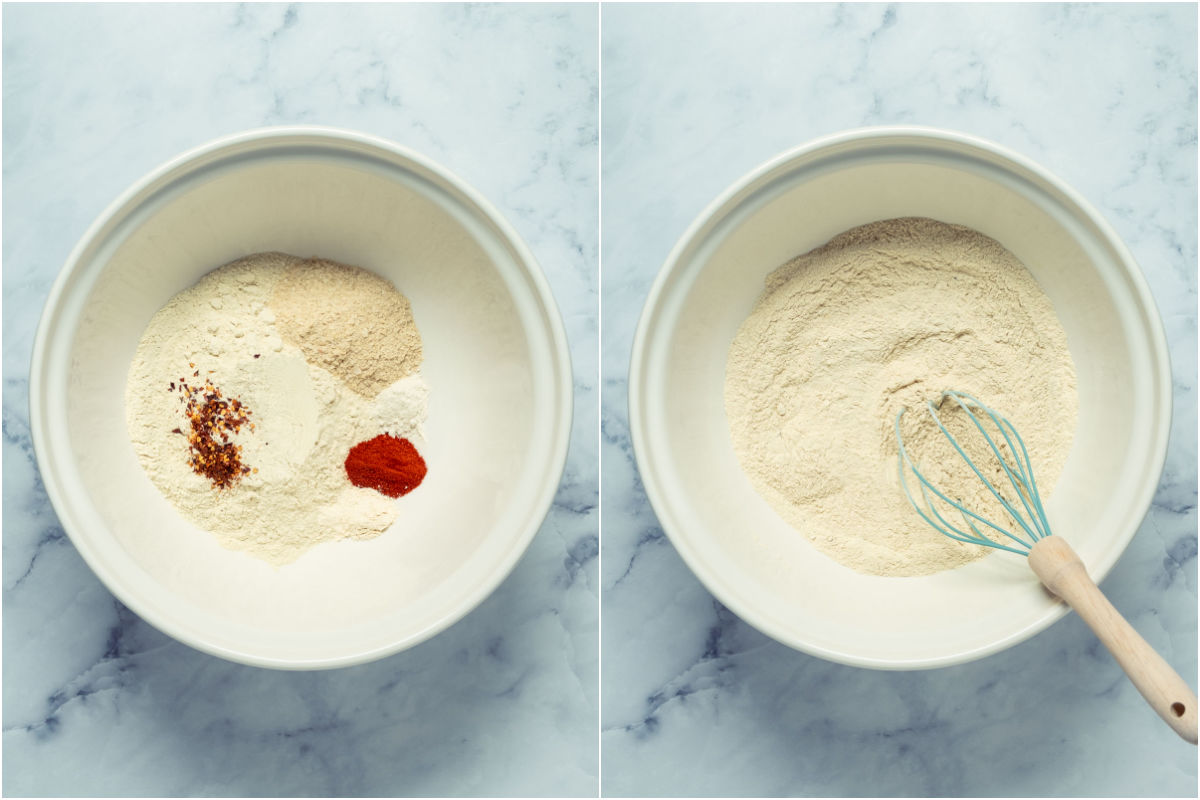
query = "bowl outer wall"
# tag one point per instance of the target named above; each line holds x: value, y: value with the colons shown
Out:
x: 47, y: 443
x: 721, y: 209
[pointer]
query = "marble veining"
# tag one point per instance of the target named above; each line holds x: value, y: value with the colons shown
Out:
x: 96, y: 702
x: 694, y: 701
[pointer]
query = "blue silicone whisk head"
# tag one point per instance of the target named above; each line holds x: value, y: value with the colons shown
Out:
x: 1026, y: 522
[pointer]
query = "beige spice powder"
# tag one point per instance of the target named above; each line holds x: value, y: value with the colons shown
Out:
x: 885, y: 316
x: 319, y: 306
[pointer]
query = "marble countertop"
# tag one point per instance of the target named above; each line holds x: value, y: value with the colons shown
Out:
x: 694, y: 701
x: 96, y: 702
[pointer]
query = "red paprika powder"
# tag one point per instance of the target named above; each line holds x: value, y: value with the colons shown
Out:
x: 386, y: 464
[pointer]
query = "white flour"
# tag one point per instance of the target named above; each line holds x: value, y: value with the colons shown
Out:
x: 886, y: 316
x: 306, y: 419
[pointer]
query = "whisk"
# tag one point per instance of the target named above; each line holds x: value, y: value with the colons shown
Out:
x: 1026, y: 532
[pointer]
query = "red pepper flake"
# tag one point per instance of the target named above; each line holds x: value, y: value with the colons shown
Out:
x: 213, y: 418
x: 256, y: 355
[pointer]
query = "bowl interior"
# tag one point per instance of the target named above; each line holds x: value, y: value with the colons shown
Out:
x: 495, y: 361
x: 741, y: 549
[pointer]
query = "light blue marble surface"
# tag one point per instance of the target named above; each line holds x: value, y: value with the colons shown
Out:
x: 694, y: 701
x: 97, y: 702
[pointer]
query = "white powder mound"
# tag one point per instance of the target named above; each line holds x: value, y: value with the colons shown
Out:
x: 887, y: 316
x: 305, y: 419
x: 400, y: 409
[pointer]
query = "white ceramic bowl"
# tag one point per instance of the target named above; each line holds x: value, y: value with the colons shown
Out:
x: 496, y: 362
x: 743, y: 552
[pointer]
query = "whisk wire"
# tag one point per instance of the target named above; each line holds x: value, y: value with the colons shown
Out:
x: 1018, y: 471
x: 945, y: 527
x: 1019, y: 483
x: 1028, y: 485
x: 942, y: 525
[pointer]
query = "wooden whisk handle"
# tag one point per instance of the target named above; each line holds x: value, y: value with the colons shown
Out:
x: 1061, y: 571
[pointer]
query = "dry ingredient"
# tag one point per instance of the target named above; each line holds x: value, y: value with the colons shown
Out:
x: 400, y: 408
x: 342, y: 330
x: 386, y: 464
x: 211, y: 416
x: 886, y: 316
x: 287, y: 490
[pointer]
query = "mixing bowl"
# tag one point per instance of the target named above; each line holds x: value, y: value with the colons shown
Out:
x: 495, y: 360
x: 745, y: 554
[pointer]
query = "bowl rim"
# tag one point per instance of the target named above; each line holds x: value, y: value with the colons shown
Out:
x: 335, y: 139
x: 726, y: 202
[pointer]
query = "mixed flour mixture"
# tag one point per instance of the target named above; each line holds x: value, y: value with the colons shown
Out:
x: 882, y: 317
x: 247, y: 329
